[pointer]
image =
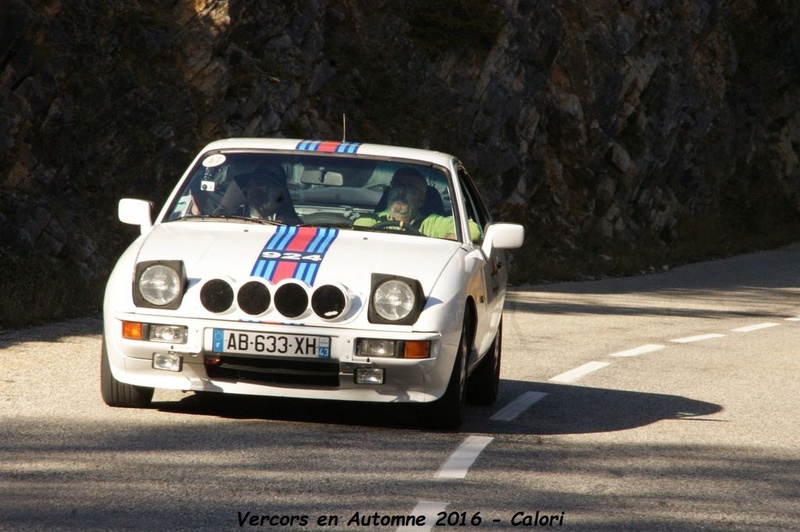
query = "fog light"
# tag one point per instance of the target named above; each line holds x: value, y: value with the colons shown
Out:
x: 369, y: 376
x: 167, y: 362
x: 173, y: 334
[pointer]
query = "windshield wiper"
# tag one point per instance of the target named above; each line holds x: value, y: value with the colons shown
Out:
x: 231, y: 217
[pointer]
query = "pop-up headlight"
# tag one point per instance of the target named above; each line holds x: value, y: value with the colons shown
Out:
x: 396, y: 300
x: 159, y: 284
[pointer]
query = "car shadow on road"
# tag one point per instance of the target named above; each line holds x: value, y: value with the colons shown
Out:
x: 565, y: 409
x: 231, y: 406
x: 571, y: 409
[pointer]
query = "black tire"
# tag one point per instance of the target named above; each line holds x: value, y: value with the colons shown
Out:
x: 484, y: 383
x: 117, y: 393
x: 447, y: 412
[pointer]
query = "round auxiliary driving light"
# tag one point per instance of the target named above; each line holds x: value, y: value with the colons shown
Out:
x: 253, y: 298
x: 216, y: 295
x: 328, y: 302
x: 291, y: 300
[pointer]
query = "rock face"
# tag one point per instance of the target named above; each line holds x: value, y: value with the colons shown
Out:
x: 608, y: 128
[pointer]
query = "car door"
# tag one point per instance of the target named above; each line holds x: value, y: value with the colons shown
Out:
x: 492, y: 279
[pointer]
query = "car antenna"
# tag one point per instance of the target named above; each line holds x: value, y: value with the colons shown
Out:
x: 344, y: 127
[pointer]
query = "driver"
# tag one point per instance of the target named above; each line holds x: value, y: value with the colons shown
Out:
x: 405, y: 196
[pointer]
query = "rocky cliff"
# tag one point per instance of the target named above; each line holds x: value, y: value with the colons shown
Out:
x: 621, y: 133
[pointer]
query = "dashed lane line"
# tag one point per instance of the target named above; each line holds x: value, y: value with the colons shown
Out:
x: 636, y: 351
x: 458, y: 464
x: 698, y: 338
x: 462, y: 458
x: 518, y: 406
x: 579, y: 372
x: 756, y: 327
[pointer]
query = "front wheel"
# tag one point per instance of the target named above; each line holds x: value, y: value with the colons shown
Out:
x: 447, y: 412
x: 117, y: 393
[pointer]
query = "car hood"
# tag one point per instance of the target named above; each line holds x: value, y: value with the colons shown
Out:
x: 315, y: 256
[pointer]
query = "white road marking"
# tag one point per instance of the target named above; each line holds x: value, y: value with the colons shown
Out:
x: 518, y: 406
x: 647, y: 348
x: 698, y: 338
x: 579, y: 372
x: 429, y: 509
x: 756, y: 327
x: 462, y: 458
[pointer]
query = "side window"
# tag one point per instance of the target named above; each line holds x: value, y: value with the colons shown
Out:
x: 476, y: 211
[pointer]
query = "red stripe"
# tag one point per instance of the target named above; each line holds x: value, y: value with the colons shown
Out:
x: 328, y: 146
x: 301, y: 239
x: 285, y: 268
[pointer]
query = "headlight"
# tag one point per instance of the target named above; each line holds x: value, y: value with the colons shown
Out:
x: 159, y: 284
x: 396, y: 300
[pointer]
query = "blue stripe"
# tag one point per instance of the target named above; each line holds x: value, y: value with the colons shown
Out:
x: 321, y: 233
x: 300, y: 272
x: 279, y: 238
x: 311, y: 145
x: 311, y: 275
x: 328, y: 240
x: 290, y: 231
x: 348, y: 147
x: 271, y: 265
x: 279, y: 234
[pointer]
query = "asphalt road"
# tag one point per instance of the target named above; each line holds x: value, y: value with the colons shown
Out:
x: 661, y: 402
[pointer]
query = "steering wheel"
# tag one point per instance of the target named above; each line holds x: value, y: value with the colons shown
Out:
x: 394, y: 224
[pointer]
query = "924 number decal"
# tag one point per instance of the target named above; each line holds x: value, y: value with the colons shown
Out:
x: 291, y: 255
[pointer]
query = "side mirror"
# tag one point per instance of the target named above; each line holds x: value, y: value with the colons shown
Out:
x: 136, y: 212
x: 503, y: 236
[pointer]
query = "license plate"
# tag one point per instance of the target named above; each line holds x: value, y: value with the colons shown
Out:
x: 257, y: 343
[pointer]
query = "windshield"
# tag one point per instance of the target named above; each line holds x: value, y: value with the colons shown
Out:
x: 318, y: 190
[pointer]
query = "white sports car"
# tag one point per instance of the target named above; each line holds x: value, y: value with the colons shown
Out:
x: 310, y: 269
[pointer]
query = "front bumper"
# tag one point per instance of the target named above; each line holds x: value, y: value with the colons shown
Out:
x: 201, y: 368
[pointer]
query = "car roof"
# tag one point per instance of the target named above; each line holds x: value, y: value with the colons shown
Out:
x: 339, y: 147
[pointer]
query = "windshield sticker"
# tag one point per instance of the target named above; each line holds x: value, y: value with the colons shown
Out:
x: 294, y: 253
x: 213, y: 160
